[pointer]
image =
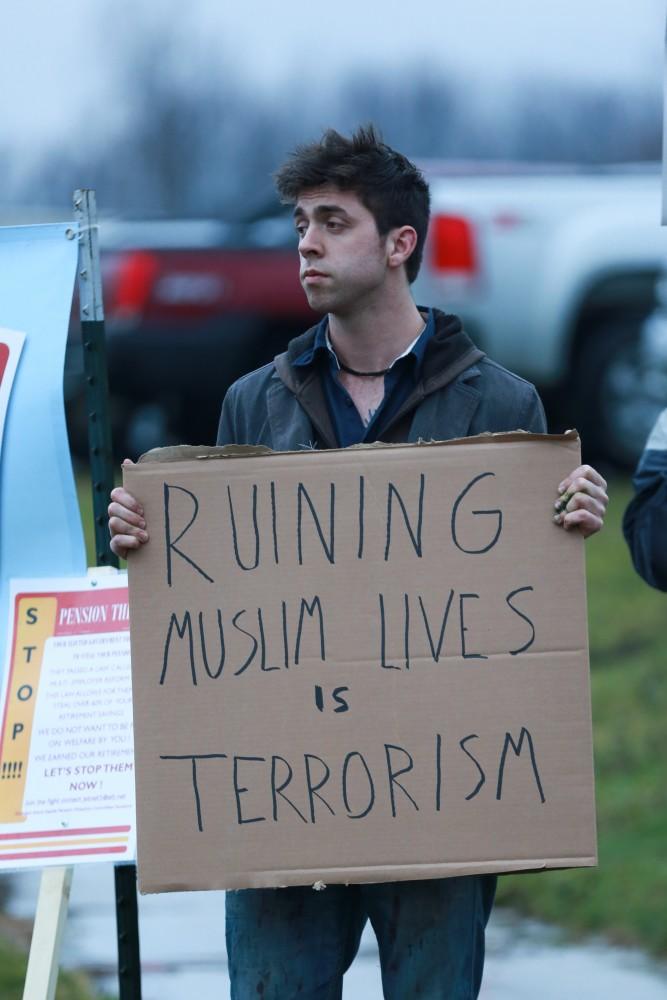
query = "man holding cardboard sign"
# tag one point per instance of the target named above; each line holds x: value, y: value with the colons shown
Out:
x: 376, y: 368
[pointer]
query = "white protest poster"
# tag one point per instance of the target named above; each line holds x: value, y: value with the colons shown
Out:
x: 11, y: 342
x: 66, y: 740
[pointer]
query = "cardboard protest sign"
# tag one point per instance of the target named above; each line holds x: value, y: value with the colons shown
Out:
x: 359, y: 665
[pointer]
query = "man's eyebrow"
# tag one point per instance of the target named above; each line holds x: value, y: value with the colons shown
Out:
x: 321, y: 211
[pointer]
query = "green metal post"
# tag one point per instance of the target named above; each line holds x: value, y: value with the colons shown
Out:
x: 91, y: 311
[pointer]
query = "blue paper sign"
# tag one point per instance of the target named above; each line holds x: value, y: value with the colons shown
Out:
x: 40, y: 523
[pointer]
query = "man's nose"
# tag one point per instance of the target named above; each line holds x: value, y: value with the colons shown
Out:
x: 309, y: 244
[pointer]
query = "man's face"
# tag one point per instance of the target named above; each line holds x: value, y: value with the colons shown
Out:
x: 343, y: 259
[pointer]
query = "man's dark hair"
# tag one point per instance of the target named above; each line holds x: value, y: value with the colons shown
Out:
x: 386, y: 182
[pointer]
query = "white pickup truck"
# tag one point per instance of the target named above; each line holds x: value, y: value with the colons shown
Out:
x: 554, y: 273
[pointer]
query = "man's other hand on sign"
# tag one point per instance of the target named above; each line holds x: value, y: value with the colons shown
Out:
x: 127, y: 525
x: 582, y: 501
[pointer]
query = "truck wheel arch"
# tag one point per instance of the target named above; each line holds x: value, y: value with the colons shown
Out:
x: 602, y: 389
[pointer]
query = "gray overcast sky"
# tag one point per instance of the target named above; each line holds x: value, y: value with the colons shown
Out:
x: 57, y: 60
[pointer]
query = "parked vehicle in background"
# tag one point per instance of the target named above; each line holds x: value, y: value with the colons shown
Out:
x: 552, y: 269
x: 554, y: 272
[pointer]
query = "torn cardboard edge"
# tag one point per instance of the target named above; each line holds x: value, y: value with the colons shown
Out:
x: 190, y: 452
x: 321, y: 877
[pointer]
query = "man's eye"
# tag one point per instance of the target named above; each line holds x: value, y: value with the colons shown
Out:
x: 300, y: 231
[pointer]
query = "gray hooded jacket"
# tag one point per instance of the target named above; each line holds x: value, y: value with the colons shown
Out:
x: 460, y: 393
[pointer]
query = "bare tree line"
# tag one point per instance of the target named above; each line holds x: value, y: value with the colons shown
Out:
x: 206, y: 145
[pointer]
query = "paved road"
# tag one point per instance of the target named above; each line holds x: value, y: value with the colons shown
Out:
x: 182, y: 950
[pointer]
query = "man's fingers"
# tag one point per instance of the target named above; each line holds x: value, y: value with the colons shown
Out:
x: 117, y: 510
x: 121, y: 496
x: 577, y: 488
x: 122, y: 544
x: 582, y: 504
x: 584, y: 472
x: 582, y: 485
x: 596, y: 504
x: 119, y: 526
x: 127, y: 526
x: 585, y: 520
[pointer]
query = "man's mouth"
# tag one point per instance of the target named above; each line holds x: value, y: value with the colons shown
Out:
x: 313, y: 273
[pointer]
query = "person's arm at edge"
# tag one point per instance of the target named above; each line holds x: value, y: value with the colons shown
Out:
x: 645, y: 519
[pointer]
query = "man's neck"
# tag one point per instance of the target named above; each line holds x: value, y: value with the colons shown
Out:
x: 373, y: 338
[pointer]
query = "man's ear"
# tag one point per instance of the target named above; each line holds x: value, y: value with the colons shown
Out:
x: 400, y: 244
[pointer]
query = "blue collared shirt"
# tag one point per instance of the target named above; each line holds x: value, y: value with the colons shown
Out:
x: 399, y: 382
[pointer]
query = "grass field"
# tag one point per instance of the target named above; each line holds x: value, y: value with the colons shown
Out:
x: 625, y: 896
x: 71, y: 985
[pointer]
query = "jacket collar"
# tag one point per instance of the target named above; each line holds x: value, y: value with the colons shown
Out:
x: 449, y: 353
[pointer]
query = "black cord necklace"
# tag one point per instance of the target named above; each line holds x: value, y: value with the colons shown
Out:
x: 353, y: 371
x: 383, y: 371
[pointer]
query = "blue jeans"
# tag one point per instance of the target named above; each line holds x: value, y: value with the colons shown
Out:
x: 297, y: 943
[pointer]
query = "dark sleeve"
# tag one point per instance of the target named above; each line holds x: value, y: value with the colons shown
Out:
x: 645, y: 520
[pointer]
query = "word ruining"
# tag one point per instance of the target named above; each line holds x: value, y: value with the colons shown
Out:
x: 251, y: 519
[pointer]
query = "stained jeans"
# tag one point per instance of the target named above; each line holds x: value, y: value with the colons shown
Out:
x: 297, y: 942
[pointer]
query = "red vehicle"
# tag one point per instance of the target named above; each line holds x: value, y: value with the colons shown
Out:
x: 189, y: 307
